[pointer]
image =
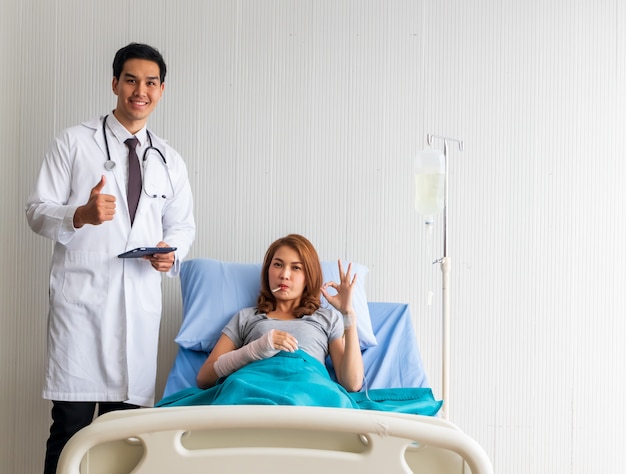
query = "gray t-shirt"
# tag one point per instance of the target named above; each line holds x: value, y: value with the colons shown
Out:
x: 313, y: 332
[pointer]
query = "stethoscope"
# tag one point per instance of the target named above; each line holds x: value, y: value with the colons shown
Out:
x: 109, y: 164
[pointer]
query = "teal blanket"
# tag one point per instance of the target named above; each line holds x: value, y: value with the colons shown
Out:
x: 295, y: 378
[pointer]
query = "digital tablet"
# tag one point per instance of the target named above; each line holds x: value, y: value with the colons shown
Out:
x: 143, y: 251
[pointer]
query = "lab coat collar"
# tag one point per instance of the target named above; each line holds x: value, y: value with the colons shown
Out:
x: 121, y: 134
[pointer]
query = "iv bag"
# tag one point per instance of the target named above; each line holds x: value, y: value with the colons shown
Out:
x: 430, y: 174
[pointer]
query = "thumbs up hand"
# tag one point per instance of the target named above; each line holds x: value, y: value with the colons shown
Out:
x: 99, y: 208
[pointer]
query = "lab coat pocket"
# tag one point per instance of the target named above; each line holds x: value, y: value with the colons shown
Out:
x: 150, y: 298
x: 86, y: 277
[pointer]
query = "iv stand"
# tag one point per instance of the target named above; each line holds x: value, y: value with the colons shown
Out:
x: 445, y: 269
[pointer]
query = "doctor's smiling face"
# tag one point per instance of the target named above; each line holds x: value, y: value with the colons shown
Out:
x: 138, y: 90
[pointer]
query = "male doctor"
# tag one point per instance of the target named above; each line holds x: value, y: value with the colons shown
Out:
x: 105, y: 311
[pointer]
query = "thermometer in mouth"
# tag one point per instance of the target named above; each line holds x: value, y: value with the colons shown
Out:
x: 275, y: 289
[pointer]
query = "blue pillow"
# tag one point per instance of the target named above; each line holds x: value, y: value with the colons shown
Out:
x: 213, y: 291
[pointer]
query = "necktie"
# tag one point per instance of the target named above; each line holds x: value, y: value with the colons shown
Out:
x: 134, y: 177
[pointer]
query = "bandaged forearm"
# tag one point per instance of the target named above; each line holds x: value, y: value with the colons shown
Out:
x: 261, y: 348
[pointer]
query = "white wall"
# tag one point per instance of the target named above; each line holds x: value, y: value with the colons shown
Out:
x: 304, y: 116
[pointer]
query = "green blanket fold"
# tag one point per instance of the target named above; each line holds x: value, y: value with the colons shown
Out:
x: 299, y: 379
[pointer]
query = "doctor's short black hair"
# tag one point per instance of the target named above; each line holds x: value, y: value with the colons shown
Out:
x: 138, y: 51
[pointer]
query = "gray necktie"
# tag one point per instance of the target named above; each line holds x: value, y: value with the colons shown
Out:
x: 134, y: 177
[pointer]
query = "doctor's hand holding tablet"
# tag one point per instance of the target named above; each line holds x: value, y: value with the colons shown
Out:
x: 161, y: 257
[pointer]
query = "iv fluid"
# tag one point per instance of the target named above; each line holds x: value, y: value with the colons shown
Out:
x: 429, y: 193
x: 429, y: 183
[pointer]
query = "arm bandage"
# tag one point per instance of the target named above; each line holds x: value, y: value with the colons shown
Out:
x: 348, y: 320
x: 261, y: 348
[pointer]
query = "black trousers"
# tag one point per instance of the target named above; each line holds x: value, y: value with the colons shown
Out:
x: 67, y: 419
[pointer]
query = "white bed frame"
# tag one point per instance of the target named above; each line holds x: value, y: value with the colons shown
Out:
x: 270, y: 439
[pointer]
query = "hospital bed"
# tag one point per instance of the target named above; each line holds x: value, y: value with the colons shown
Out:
x: 263, y: 438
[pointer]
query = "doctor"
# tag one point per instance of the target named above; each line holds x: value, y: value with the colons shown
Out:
x: 105, y: 311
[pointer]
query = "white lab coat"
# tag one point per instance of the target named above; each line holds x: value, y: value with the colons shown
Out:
x: 105, y: 312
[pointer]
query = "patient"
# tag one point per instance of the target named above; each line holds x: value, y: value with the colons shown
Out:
x: 275, y: 353
x: 288, y: 317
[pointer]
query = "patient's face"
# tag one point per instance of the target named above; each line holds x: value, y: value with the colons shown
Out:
x: 286, y: 272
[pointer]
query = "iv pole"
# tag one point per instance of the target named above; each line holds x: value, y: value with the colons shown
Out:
x: 445, y: 269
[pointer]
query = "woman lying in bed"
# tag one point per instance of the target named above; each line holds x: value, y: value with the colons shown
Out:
x: 288, y: 317
x: 274, y: 353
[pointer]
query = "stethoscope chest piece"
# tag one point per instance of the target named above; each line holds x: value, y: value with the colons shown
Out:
x: 109, y: 165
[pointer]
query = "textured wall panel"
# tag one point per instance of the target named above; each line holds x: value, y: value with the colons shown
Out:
x: 305, y: 116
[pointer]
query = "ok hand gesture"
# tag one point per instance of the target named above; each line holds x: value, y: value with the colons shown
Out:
x: 342, y: 297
